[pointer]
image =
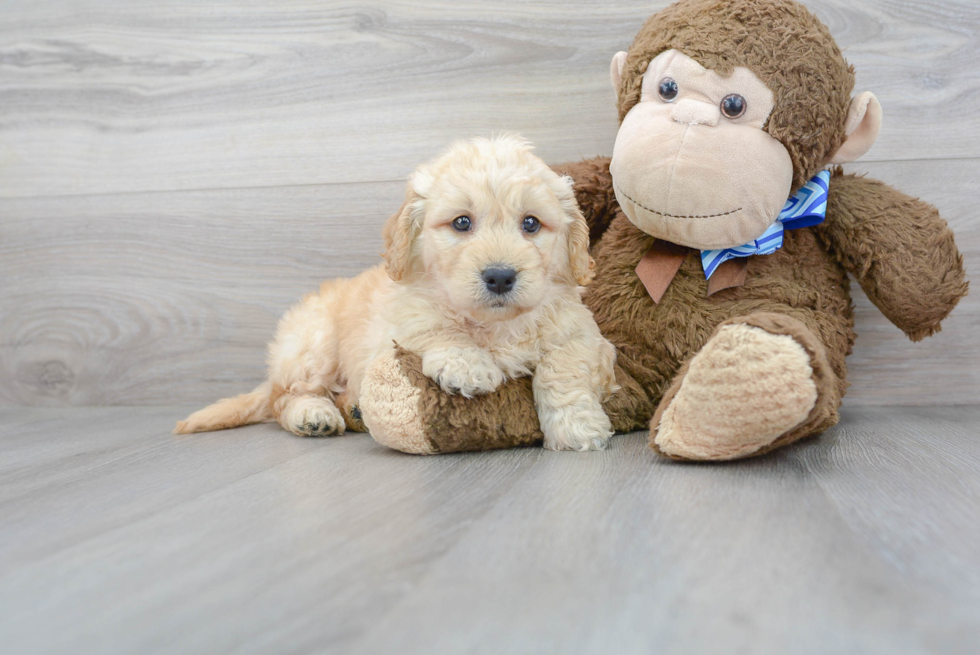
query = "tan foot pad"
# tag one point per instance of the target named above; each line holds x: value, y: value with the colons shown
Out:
x: 390, y: 407
x: 741, y: 392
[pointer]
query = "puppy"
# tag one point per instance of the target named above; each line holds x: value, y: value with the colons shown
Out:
x: 482, y: 271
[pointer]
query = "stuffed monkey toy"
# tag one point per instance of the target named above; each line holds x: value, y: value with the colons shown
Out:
x: 723, y: 233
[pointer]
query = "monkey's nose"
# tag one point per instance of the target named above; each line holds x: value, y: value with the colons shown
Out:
x: 499, y: 279
x: 695, y: 112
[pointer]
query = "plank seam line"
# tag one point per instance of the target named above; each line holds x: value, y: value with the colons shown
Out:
x: 383, y: 181
x: 200, y: 190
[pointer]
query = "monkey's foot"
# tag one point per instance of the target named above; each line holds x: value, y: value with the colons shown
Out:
x: 760, y: 381
x: 406, y: 410
x: 391, y: 407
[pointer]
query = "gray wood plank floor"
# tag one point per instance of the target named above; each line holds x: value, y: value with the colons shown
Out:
x: 120, y: 538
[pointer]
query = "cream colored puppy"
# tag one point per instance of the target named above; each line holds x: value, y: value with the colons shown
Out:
x: 481, y: 276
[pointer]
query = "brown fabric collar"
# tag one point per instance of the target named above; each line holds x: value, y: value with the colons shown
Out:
x: 662, y: 261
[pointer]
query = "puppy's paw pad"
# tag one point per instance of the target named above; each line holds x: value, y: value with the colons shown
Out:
x: 465, y: 371
x: 324, y: 429
x: 313, y: 417
x: 582, y: 446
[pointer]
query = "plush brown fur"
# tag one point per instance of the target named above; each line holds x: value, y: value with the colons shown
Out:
x: 783, y: 43
x: 502, y: 419
x: 898, y: 248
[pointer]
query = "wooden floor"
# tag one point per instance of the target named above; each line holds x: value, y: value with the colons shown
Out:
x: 120, y: 538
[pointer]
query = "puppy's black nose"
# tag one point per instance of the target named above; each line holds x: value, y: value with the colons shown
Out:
x: 499, y: 279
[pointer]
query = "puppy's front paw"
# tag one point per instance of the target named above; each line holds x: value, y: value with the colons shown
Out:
x: 312, y: 416
x: 574, y: 429
x: 466, y: 371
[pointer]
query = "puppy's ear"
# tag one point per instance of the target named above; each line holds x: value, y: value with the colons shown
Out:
x: 399, y: 233
x: 583, y: 266
x: 581, y: 263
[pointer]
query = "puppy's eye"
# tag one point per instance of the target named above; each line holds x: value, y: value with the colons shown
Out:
x: 462, y: 223
x: 733, y: 105
x: 668, y: 89
x: 531, y: 224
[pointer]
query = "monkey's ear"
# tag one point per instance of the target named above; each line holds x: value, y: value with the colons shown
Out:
x: 861, y: 128
x: 616, y: 69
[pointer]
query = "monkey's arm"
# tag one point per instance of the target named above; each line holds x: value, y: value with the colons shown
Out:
x: 899, y: 249
x: 594, y: 192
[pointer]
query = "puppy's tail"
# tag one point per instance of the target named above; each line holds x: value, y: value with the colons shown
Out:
x: 247, y: 408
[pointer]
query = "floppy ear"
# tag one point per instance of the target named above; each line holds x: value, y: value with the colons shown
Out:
x: 399, y: 233
x: 582, y: 264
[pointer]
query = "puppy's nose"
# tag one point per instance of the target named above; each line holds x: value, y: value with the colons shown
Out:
x: 499, y: 279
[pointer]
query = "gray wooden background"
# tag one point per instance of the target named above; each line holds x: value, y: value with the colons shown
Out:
x: 174, y: 175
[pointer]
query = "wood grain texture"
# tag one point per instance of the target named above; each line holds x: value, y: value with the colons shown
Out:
x: 173, y: 177
x: 143, y: 299
x: 121, y: 538
x: 105, y: 96
x: 171, y: 297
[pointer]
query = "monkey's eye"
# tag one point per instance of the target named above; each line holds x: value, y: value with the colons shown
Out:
x: 462, y: 223
x: 733, y: 105
x: 668, y: 89
x: 531, y: 224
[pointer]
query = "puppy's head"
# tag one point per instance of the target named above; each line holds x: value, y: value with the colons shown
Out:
x: 491, y: 227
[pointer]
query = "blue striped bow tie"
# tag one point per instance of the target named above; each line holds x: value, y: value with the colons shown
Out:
x: 808, y: 207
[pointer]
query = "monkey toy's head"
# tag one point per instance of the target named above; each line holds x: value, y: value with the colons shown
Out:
x: 728, y: 107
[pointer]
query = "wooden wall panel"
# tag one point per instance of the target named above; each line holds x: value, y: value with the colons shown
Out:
x: 114, y: 96
x: 172, y: 176
x: 170, y: 297
x: 164, y: 297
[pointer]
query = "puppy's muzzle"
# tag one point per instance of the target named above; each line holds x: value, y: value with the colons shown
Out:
x: 499, y: 279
